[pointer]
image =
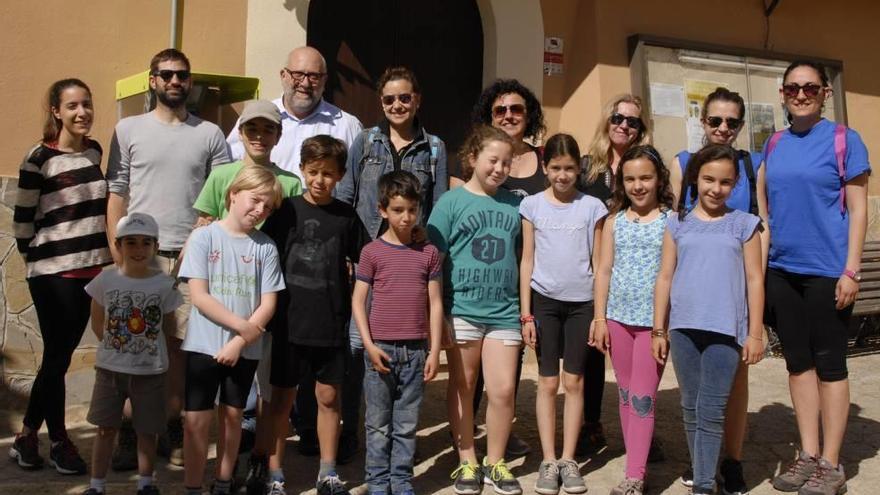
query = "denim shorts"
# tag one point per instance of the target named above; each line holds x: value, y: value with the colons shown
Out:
x: 466, y: 331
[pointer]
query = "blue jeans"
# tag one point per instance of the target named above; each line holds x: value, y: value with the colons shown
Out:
x: 705, y: 364
x: 392, y: 416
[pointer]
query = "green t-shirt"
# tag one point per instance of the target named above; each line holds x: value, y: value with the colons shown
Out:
x: 479, y: 236
x: 212, y: 199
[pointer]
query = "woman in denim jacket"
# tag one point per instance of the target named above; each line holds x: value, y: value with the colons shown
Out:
x: 398, y: 142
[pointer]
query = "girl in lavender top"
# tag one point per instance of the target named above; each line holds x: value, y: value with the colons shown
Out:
x: 710, y: 294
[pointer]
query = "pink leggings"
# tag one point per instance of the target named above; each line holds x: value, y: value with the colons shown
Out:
x: 638, y: 377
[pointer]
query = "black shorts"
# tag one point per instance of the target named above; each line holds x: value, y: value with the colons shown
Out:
x: 563, y: 328
x: 813, y: 333
x: 205, y: 377
x: 292, y: 362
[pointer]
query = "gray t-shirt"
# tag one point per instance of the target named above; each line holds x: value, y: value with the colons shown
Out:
x: 709, y: 284
x: 133, y: 313
x: 161, y: 168
x: 239, y: 270
x: 563, y: 245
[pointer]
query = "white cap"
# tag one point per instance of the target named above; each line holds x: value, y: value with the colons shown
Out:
x: 137, y: 224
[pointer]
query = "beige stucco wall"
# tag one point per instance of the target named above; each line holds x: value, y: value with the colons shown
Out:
x: 273, y: 29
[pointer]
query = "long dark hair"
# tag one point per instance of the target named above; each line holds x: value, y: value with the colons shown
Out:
x: 51, y: 124
x: 619, y: 199
x: 709, y: 153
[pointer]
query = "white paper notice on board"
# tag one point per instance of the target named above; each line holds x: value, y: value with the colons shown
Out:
x: 553, y: 57
x: 667, y: 99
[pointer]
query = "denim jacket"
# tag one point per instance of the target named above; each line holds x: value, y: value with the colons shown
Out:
x: 370, y: 157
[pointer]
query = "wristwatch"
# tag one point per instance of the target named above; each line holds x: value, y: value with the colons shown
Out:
x: 853, y: 275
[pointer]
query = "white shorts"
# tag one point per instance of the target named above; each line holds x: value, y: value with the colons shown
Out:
x: 465, y: 331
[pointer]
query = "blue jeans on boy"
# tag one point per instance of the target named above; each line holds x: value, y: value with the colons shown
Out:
x: 393, y: 400
x: 705, y: 365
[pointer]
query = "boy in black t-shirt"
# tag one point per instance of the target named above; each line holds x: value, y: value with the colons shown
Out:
x: 317, y: 236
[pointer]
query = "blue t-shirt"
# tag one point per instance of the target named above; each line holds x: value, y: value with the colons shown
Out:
x: 808, y: 233
x: 563, y: 245
x: 740, y: 197
x: 709, y: 284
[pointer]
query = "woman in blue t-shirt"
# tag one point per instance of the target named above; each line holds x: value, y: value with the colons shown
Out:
x: 722, y: 118
x: 817, y: 212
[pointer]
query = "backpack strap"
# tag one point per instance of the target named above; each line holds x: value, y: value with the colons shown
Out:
x: 435, y: 152
x: 368, y: 149
x: 840, y: 154
x: 772, y: 142
x: 746, y: 158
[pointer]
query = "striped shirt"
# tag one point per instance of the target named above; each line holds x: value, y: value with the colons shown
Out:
x: 60, y: 211
x: 399, y: 276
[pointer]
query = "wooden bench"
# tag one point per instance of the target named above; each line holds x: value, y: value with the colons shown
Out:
x: 866, y: 312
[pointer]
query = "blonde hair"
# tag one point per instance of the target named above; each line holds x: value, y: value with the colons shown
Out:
x: 600, y: 152
x: 253, y: 177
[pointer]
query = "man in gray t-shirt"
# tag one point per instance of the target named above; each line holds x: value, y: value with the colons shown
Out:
x: 158, y: 163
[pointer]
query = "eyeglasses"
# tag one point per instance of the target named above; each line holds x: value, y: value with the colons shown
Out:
x: 298, y: 76
x: 405, y: 98
x: 167, y: 74
x: 732, y: 123
x: 516, y: 109
x: 791, y: 90
x: 632, y: 122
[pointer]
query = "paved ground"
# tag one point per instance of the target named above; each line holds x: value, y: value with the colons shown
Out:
x: 771, y: 441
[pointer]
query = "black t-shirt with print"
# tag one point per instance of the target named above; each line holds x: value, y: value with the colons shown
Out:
x: 315, y: 244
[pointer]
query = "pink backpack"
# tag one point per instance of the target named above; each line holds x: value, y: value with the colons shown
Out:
x: 839, y: 153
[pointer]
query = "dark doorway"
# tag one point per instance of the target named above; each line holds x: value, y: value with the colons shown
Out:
x: 441, y: 41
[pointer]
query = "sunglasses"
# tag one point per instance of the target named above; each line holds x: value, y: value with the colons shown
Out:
x: 405, y: 98
x: 298, y: 76
x: 632, y: 122
x: 516, y: 109
x: 791, y: 90
x: 167, y: 74
x: 732, y: 123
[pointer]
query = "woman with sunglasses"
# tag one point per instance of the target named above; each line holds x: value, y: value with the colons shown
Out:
x: 60, y: 231
x: 620, y: 128
x: 722, y: 118
x: 813, y: 190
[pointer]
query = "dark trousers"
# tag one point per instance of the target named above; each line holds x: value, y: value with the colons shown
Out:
x: 62, y: 307
x: 594, y: 385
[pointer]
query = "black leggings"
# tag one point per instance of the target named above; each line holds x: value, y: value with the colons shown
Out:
x: 62, y: 307
x: 594, y: 384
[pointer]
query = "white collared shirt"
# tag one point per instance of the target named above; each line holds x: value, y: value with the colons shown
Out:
x: 325, y: 119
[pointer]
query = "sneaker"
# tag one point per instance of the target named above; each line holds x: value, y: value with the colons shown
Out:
x: 687, y: 477
x: 732, y: 480
x: 257, y: 477
x: 94, y: 491
x: 65, y: 458
x: 516, y: 447
x: 331, y: 485
x: 797, y: 473
x: 826, y: 480
x: 275, y: 487
x: 655, y: 452
x: 591, y: 439
x: 225, y: 490
x: 570, y: 474
x: 149, y: 490
x: 468, y: 479
x: 630, y: 486
x: 499, y: 476
x: 348, y: 448
x: 124, y: 456
x: 548, y: 479
x: 308, y: 443
x: 25, y: 450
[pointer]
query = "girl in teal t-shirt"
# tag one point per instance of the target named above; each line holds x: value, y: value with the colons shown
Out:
x: 476, y: 227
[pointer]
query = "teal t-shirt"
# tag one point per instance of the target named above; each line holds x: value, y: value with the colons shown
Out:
x: 212, y: 199
x: 479, y: 236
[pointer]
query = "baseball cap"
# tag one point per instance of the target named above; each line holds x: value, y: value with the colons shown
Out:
x: 137, y: 224
x: 260, y: 109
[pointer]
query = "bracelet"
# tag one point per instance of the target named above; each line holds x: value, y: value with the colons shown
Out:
x: 599, y: 319
x: 759, y: 339
x: 526, y: 319
x: 658, y: 332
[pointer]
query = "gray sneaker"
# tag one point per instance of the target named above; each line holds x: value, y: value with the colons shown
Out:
x: 826, y: 480
x: 629, y: 486
x: 797, y: 473
x: 548, y: 479
x: 570, y: 474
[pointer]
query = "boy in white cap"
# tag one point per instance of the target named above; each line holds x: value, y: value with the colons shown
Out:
x: 132, y: 309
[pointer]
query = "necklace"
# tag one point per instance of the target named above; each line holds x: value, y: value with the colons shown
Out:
x: 638, y: 218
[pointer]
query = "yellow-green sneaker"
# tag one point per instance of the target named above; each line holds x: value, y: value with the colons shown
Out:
x: 499, y: 476
x: 468, y: 479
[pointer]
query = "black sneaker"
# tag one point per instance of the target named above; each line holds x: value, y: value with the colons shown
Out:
x: 149, y: 490
x: 308, y: 443
x: 94, y: 491
x: 331, y: 485
x: 65, y: 458
x: 25, y: 451
x: 591, y: 439
x: 687, y: 477
x: 348, y: 448
x: 124, y: 456
x: 257, y: 475
x: 732, y: 480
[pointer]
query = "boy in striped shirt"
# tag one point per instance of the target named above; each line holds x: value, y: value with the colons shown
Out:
x: 401, y: 335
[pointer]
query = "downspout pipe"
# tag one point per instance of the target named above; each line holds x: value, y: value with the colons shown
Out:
x: 174, y: 25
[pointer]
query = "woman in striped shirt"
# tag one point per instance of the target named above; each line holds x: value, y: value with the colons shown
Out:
x: 60, y: 231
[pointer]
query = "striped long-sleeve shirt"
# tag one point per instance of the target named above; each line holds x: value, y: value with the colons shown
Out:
x: 60, y: 212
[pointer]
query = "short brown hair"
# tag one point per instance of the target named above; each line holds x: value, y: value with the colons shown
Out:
x: 397, y: 74
x: 322, y: 147
x: 166, y: 55
x: 253, y: 177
